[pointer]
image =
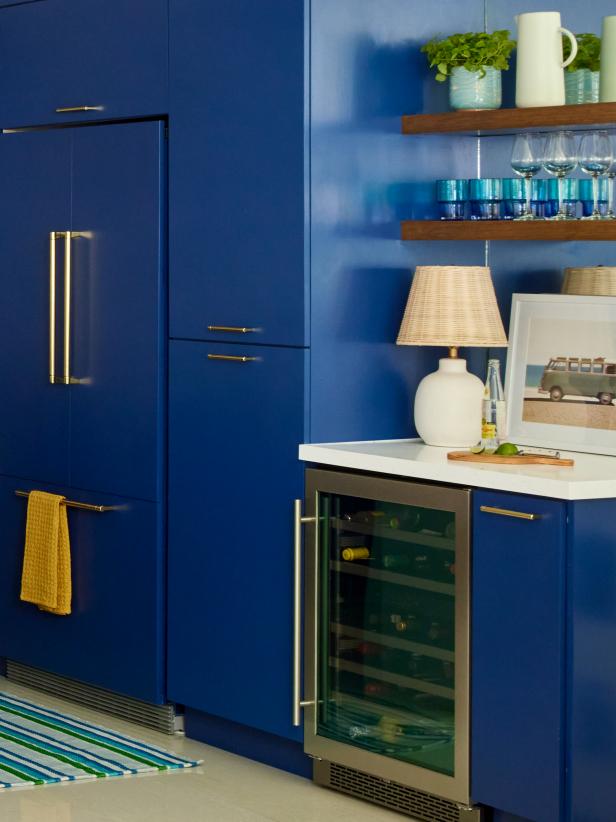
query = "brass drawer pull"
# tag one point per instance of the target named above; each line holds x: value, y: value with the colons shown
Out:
x: 71, y: 109
x: 82, y: 506
x: 504, y: 512
x: 233, y: 329
x: 230, y: 358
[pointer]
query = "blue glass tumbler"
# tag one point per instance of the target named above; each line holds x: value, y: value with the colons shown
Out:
x: 539, y: 198
x: 451, y: 196
x: 571, y: 195
x: 485, y: 198
x: 586, y: 196
x: 514, y: 197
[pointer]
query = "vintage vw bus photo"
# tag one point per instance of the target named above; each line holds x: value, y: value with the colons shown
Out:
x: 579, y: 377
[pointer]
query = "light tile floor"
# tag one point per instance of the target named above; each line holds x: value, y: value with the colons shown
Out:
x: 226, y: 788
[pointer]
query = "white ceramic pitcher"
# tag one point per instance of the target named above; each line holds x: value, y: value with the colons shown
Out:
x: 540, y: 80
x: 607, y: 79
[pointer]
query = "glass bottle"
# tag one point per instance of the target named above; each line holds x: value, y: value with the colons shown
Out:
x: 494, y: 408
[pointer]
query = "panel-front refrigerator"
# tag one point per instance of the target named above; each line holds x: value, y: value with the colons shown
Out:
x: 386, y: 643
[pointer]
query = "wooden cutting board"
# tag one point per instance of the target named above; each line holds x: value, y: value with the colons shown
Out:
x: 519, y: 459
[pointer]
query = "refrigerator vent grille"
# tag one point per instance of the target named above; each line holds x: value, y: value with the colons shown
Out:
x: 159, y: 717
x: 420, y: 805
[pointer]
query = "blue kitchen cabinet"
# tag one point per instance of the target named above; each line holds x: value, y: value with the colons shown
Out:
x: 105, y: 430
x: 518, y: 655
x: 238, y: 171
x: 96, y: 435
x: 109, y: 55
x: 117, y: 407
x: 34, y: 415
x: 234, y: 427
x: 114, y: 636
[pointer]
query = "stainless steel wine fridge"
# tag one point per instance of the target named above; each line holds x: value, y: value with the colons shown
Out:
x: 385, y: 583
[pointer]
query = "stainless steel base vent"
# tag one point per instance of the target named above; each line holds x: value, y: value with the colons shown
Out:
x: 421, y: 806
x: 159, y: 717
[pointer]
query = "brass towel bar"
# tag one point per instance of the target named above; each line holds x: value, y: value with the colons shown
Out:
x: 82, y: 506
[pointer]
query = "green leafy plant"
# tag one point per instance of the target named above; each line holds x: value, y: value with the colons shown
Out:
x: 589, y: 52
x: 473, y: 51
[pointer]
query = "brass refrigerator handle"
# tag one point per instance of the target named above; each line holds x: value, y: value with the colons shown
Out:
x: 66, y: 379
x: 82, y: 506
x: 298, y: 521
x: 70, y: 109
x: 67, y: 236
x: 505, y: 512
x: 52, y: 307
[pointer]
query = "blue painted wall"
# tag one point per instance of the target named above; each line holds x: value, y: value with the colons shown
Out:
x: 367, y: 71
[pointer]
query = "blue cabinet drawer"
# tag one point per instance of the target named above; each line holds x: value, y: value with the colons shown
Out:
x: 518, y: 655
x: 106, y: 54
x: 234, y: 430
x: 114, y: 636
x: 237, y: 184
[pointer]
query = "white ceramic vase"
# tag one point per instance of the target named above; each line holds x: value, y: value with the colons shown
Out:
x: 448, y: 406
x: 540, y: 78
x: 607, y: 81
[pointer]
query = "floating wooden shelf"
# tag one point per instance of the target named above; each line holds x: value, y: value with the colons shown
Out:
x: 506, y: 120
x: 545, y: 230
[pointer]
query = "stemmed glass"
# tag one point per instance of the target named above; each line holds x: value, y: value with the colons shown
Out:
x: 560, y: 159
x: 610, y: 174
x: 596, y: 157
x: 526, y: 160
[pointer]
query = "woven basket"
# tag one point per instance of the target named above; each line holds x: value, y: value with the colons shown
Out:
x: 452, y: 306
x: 595, y: 281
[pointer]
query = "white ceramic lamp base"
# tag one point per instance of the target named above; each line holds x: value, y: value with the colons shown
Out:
x: 448, y: 406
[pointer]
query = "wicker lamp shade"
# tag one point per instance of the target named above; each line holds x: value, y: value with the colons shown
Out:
x: 452, y: 306
x: 594, y: 281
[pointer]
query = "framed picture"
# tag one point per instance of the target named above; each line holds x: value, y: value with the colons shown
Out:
x: 561, y: 372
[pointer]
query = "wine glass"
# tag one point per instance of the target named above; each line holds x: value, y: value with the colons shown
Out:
x: 560, y: 159
x: 611, y: 174
x: 596, y: 157
x: 526, y: 160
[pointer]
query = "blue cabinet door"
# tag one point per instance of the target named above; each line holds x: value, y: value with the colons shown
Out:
x: 108, y: 54
x: 237, y: 131
x: 114, y: 636
x: 118, y: 321
x: 518, y: 655
x: 592, y: 662
x: 36, y: 200
x: 234, y: 430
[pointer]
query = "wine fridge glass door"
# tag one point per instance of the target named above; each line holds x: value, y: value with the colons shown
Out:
x: 390, y: 630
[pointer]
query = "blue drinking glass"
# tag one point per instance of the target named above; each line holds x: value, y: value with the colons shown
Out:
x: 571, y: 195
x: 514, y: 197
x: 485, y: 198
x: 451, y: 196
x: 539, y: 199
x: 587, y: 199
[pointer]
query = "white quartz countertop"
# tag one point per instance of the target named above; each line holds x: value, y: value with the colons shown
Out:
x: 592, y: 477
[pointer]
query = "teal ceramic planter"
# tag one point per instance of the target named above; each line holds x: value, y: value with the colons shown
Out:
x: 469, y: 90
x: 581, y: 86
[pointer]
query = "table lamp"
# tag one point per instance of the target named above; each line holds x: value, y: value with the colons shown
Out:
x: 452, y: 306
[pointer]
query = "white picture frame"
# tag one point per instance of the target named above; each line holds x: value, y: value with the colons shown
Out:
x: 561, y: 338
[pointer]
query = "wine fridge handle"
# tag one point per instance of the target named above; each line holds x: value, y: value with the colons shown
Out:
x: 298, y: 521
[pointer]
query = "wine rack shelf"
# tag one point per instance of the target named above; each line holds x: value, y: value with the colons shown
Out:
x: 391, y: 678
x: 393, y: 578
x: 392, y: 642
x: 414, y: 537
x: 509, y: 120
x: 541, y: 230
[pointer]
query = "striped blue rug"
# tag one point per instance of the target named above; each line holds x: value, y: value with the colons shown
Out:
x: 39, y: 746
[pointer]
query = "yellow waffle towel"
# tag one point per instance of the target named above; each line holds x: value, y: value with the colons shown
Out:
x: 46, y: 575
